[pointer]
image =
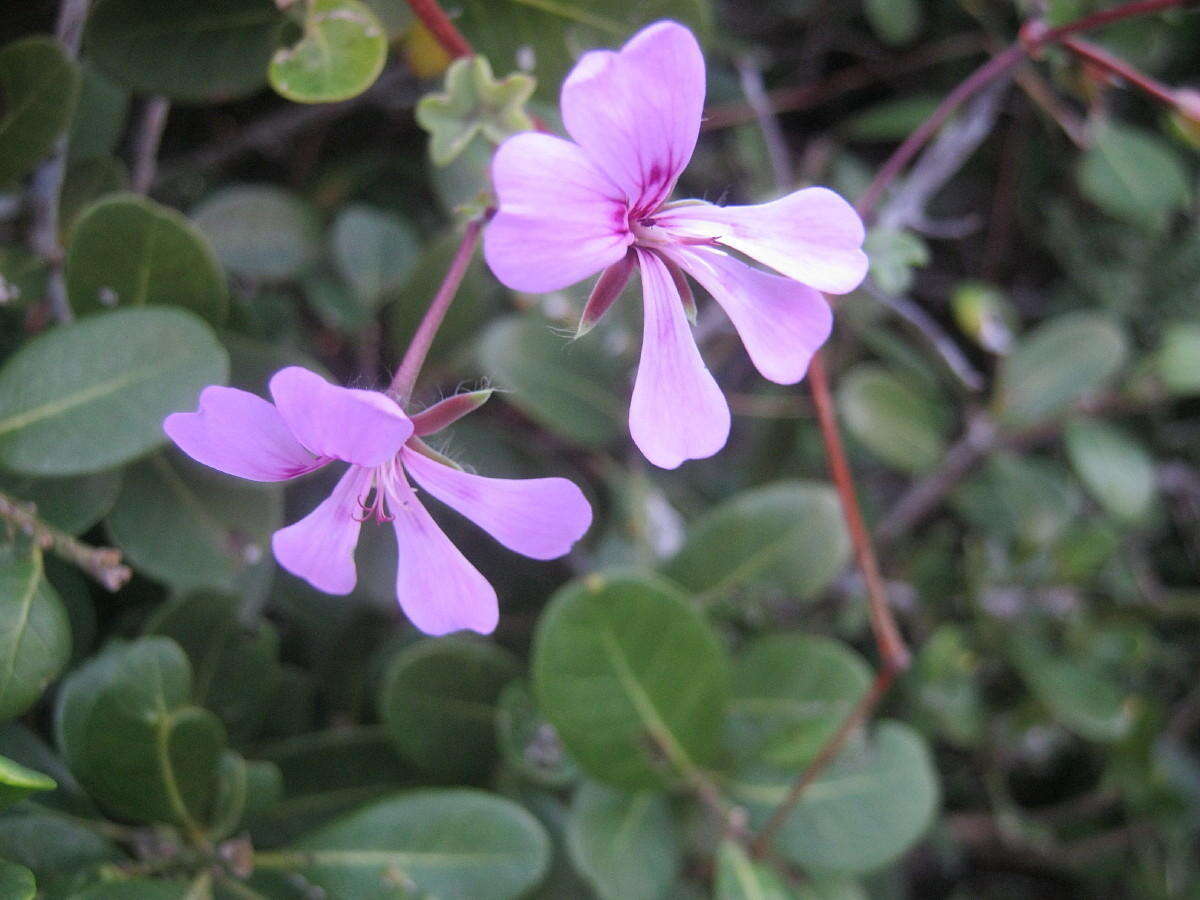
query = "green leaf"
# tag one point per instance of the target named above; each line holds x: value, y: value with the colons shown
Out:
x: 632, y: 677
x: 894, y: 254
x: 260, y: 231
x: 438, y: 702
x: 1061, y: 361
x: 896, y: 423
x: 91, y: 395
x: 18, y: 782
x: 625, y: 845
x: 529, y: 743
x: 99, y: 119
x: 1079, y: 692
x: 39, y: 85
x: 73, y: 504
x: 891, y: 120
x: 235, y: 665
x: 791, y: 693
x: 784, y: 540
x: 127, y: 251
x: 193, y: 527
x: 1178, y: 359
x: 452, y: 843
x: 569, y: 388
x: 944, y: 685
x: 374, y: 251
x: 1134, y: 175
x: 127, y: 728
x: 741, y: 878
x: 194, y: 51
x: 894, y: 21
x: 16, y: 882
x: 35, y: 633
x: 340, y: 55
x: 52, y: 846
x: 1015, y: 497
x: 87, y: 181
x: 139, y: 889
x: 244, y: 790
x: 1115, y: 468
x: 870, y: 806
x: 473, y: 103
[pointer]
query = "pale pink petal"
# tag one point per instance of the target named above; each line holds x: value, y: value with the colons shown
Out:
x: 636, y: 112
x: 320, y: 547
x: 782, y: 322
x: 559, y: 219
x: 677, y: 412
x: 813, y: 235
x: 438, y: 589
x: 240, y: 434
x: 361, y: 427
x: 538, y: 517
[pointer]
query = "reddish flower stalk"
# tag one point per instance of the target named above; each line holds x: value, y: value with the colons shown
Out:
x: 1106, y: 62
x: 434, y: 18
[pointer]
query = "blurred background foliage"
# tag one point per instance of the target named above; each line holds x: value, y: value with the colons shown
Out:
x: 245, y: 187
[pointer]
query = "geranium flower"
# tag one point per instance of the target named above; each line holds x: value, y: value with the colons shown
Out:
x: 567, y: 210
x: 313, y: 423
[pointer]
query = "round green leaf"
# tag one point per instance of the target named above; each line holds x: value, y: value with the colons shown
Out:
x: 99, y: 120
x: 127, y: 729
x: 1064, y: 359
x: 1178, y: 359
x: 741, y: 878
x: 784, y: 540
x: 39, y: 86
x: 35, y: 633
x: 1134, y: 175
x: 438, y: 702
x: 91, y: 395
x: 374, y: 251
x: 259, y: 231
x: 1114, y: 467
x: 625, y: 845
x: 791, y: 692
x: 529, y: 743
x: 632, y: 677
x: 87, y: 181
x: 451, y: 843
x: 897, y: 424
x: 127, y: 251
x: 18, y: 782
x: 872, y: 804
x: 340, y: 55
x: 894, y: 21
x: 16, y: 882
x: 196, y: 51
x: 1029, y: 499
x: 193, y: 527
x: 569, y: 388
x: 51, y: 845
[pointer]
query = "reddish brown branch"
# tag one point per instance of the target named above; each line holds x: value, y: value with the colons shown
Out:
x: 1106, y: 62
x: 434, y: 18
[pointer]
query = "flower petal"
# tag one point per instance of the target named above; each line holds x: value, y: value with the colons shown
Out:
x: 636, y: 112
x: 538, y: 517
x: 782, y: 322
x: 366, y: 428
x: 677, y: 412
x: 320, y: 547
x: 240, y: 434
x: 437, y: 588
x: 812, y: 235
x: 559, y: 220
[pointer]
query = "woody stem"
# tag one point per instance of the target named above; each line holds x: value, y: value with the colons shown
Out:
x: 402, y: 384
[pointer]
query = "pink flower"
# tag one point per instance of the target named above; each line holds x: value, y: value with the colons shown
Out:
x: 313, y: 423
x: 567, y: 210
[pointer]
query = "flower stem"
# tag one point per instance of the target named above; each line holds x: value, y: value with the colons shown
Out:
x: 434, y: 18
x: 402, y: 385
x: 1105, y: 61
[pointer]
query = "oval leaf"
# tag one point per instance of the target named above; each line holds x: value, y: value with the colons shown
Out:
x: 1115, y: 468
x: 340, y: 55
x: 35, y: 633
x: 374, y: 251
x: 39, y: 86
x: 259, y: 231
x: 896, y: 423
x: 18, y: 782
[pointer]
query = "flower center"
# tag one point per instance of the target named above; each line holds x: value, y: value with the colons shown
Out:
x: 647, y: 232
x: 380, y: 490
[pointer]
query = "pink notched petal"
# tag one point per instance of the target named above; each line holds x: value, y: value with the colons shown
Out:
x: 813, y: 235
x: 361, y: 427
x: 438, y: 589
x: 677, y: 412
x: 781, y: 322
x: 538, y: 517
x: 559, y: 220
x: 320, y: 547
x: 636, y: 112
x: 240, y: 434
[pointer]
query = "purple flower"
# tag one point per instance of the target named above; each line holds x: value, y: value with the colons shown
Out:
x: 568, y: 210
x: 313, y: 423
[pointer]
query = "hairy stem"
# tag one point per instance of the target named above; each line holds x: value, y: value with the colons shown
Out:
x: 102, y: 563
x: 402, y: 385
x: 434, y: 18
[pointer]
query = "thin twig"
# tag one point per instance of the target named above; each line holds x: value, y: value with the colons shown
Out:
x: 146, y: 142
x: 434, y: 18
x: 45, y: 189
x: 405, y: 380
x: 1100, y: 58
x: 102, y: 563
x: 777, y: 150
